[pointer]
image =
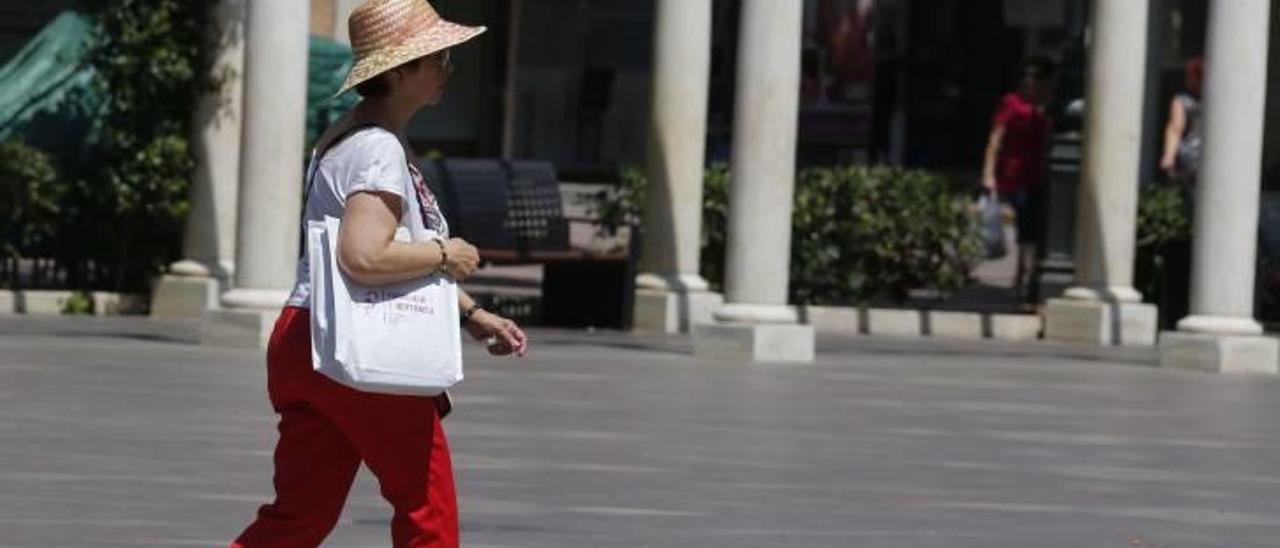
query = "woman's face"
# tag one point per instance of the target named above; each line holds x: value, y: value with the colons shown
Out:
x: 1034, y: 83
x: 424, y: 82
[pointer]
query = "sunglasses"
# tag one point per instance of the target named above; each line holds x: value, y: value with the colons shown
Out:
x: 441, y: 58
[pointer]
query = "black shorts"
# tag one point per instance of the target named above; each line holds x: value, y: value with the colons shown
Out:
x: 1026, y: 204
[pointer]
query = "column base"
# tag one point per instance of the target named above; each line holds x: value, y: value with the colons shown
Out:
x: 1219, y: 353
x: 255, y: 299
x: 1220, y: 325
x: 685, y: 282
x: 760, y: 342
x: 196, y: 269
x: 1106, y: 294
x: 238, y: 328
x: 756, y: 313
x: 1100, y: 323
x: 179, y: 297
x: 668, y: 311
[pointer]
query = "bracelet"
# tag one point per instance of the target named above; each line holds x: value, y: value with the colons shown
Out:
x: 469, y: 312
x: 444, y: 255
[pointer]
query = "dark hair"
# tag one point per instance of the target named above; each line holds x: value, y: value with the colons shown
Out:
x: 377, y: 86
x: 1043, y: 65
x: 1194, y: 72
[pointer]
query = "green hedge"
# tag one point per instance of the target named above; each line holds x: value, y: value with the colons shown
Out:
x: 858, y: 233
x: 1162, y: 258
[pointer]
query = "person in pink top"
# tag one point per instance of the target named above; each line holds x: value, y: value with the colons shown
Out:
x: 1015, y: 164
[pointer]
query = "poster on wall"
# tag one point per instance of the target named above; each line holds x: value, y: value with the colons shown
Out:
x: 838, y: 74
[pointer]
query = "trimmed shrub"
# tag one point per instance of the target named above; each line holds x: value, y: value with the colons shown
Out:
x: 1162, y: 259
x: 865, y: 232
x: 715, y: 225
x: 858, y: 233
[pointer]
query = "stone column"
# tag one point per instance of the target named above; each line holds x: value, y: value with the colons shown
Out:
x: 511, y: 91
x: 756, y: 322
x: 1221, y: 335
x: 194, y: 283
x: 1104, y: 308
x: 670, y: 294
x: 271, y: 151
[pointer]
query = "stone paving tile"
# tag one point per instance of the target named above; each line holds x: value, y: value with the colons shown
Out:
x: 112, y: 437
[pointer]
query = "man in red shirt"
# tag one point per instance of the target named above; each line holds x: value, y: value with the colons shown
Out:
x: 1015, y: 161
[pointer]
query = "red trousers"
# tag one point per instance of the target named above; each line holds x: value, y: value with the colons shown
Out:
x: 326, y: 431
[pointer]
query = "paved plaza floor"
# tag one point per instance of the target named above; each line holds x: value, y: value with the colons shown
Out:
x: 113, y: 434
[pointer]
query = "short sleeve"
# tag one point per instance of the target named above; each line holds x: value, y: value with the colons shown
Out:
x: 1005, y: 111
x: 376, y: 163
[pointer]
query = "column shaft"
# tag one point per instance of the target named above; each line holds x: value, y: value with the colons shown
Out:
x: 677, y: 144
x: 755, y: 324
x: 209, y: 240
x: 1227, y: 192
x: 764, y: 151
x: 275, y: 91
x: 1108, y: 200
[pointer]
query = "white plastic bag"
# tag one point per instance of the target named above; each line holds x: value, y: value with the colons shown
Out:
x: 397, y: 339
x: 992, y: 225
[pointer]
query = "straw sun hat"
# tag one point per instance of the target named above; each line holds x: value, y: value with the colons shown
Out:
x: 388, y: 33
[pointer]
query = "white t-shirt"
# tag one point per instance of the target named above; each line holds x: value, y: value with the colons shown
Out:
x: 368, y: 160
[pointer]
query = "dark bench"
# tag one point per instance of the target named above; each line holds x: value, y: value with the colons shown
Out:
x: 512, y: 211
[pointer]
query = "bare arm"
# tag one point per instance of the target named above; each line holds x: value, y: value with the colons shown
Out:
x: 464, y: 300
x: 994, y: 142
x: 1173, y: 135
x: 369, y: 254
x: 507, y: 337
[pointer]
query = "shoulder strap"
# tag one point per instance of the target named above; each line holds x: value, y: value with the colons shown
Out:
x: 324, y: 148
x: 316, y: 156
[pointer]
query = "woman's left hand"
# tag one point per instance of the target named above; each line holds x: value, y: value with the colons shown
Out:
x: 505, y: 336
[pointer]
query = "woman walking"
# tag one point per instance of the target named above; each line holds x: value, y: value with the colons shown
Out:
x: 362, y: 173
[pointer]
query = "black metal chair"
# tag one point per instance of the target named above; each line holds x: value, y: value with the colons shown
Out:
x: 512, y: 211
x: 535, y: 214
x: 478, y: 195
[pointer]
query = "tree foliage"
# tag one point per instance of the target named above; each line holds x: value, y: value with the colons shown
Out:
x: 151, y: 58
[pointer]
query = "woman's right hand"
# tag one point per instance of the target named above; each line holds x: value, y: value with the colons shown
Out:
x: 989, y: 183
x: 463, y: 259
x: 1169, y: 165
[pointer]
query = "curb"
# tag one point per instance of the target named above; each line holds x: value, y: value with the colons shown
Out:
x: 52, y: 302
x: 908, y: 322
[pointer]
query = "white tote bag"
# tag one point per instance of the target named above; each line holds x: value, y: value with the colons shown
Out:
x: 992, y: 225
x: 396, y: 339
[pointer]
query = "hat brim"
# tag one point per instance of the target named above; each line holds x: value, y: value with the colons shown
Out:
x: 441, y: 36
